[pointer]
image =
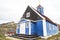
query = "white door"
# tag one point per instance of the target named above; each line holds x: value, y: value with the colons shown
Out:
x: 22, y: 28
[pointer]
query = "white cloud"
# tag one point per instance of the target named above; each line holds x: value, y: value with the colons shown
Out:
x: 13, y: 10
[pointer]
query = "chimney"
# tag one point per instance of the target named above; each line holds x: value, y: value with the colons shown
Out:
x: 40, y: 9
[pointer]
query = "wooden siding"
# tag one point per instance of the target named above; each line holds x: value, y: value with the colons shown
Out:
x: 33, y: 15
x: 39, y: 26
x: 51, y: 28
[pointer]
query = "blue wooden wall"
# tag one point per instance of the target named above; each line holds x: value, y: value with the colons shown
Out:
x: 39, y: 27
x: 18, y: 29
x: 51, y: 28
x: 33, y: 28
x: 27, y: 28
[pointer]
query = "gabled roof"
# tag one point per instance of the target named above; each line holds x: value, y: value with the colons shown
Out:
x: 35, y: 15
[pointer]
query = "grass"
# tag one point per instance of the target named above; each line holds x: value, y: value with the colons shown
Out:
x: 54, y: 37
x: 2, y: 37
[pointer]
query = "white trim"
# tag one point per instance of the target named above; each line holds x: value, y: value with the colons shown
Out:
x: 32, y: 20
x: 58, y: 28
x: 38, y: 20
x: 28, y: 14
x: 29, y: 20
x: 18, y: 27
x: 17, y: 30
x: 44, y: 28
x: 29, y: 28
x: 22, y: 28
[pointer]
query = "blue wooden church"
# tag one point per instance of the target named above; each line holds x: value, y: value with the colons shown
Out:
x: 34, y: 22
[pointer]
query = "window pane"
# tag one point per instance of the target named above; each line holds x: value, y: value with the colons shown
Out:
x: 27, y: 24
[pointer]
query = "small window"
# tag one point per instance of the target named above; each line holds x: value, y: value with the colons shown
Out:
x: 53, y: 27
x: 28, y: 14
x: 27, y: 24
x: 50, y: 26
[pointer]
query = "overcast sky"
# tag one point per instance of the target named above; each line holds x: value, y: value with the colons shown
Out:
x: 12, y: 10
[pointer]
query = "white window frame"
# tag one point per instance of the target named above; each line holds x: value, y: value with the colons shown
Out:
x: 28, y: 14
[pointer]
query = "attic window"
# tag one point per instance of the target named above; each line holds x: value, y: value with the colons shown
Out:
x: 28, y: 14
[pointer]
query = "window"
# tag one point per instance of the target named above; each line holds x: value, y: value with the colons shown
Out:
x: 50, y: 26
x: 53, y: 27
x: 27, y: 24
x: 28, y: 14
x: 22, y: 28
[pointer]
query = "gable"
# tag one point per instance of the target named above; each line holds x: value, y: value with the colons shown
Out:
x: 30, y: 14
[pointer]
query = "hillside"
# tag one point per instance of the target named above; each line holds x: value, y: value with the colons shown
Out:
x: 8, y: 28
